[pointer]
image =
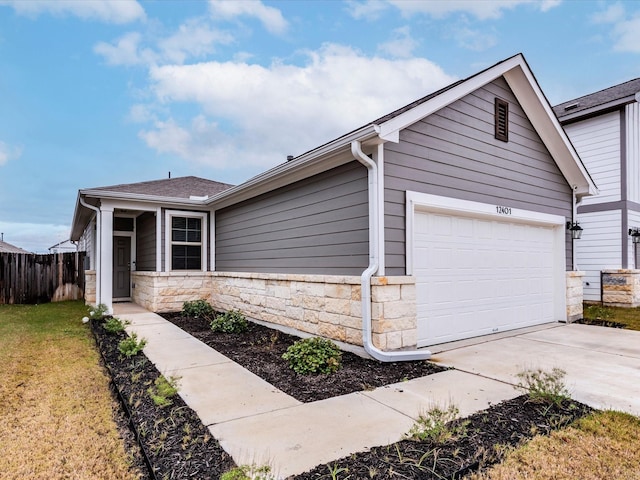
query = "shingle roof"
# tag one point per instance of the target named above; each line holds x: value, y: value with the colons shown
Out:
x: 8, y: 248
x: 179, y: 187
x: 600, y: 100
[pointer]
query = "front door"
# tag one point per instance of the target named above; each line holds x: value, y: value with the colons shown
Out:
x: 121, y: 267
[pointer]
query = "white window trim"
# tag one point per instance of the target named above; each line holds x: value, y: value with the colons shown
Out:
x: 167, y: 238
x: 416, y: 201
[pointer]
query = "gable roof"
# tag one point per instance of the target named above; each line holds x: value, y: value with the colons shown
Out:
x: 518, y: 76
x: 8, y: 248
x: 186, y: 191
x: 598, y: 102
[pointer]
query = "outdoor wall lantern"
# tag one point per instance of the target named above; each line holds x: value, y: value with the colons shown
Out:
x: 635, y: 234
x: 575, y: 229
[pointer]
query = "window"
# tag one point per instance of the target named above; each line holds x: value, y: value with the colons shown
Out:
x: 502, y: 120
x: 186, y: 243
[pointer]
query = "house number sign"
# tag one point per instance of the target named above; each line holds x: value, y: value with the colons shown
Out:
x: 503, y: 210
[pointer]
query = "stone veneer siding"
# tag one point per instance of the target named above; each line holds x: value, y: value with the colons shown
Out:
x: 621, y: 288
x: 575, y: 296
x: 323, y: 305
x: 90, y: 287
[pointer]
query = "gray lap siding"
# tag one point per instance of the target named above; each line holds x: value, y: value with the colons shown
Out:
x: 315, y: 226
x: 453, y: 153
x: 146, y: 242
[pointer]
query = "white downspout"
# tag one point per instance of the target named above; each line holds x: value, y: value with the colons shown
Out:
x: 574, y: 213
x: 365, y: 278
x: 98, y: 255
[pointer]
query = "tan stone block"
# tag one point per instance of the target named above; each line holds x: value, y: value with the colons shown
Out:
x: 356, y: 292
x: 385, y: 293
x: 356, y: 309
x: 332, y: 318
x: 310, y: 316
x: 333, y: 290
x: 410, y: 338
x: 313, y: 303
x: 295, y: 313
x: 396, y: 324
x: 379, y: 340
x: 274, y: 303
x: 353, y: 336
x: 334, y: 332
x: 308, y: 289
x: 377, y: 311
x: 399, y: 309
x: 351, y: 322
x: 337, y: 305
x: 408, y: 293
x: 394, y: 340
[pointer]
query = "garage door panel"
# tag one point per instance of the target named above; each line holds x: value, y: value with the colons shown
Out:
x: 478, y: 276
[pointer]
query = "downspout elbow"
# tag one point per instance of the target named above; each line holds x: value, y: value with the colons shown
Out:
x: 365, y: 278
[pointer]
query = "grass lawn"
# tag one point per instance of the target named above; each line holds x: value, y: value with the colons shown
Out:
x: 56, y: 408
x: 630, y: 317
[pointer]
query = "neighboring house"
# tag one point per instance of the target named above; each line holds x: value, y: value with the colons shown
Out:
x: 66, y: 246
x: 8, y: 248
x: 604, y: 128
x: 443, y: 220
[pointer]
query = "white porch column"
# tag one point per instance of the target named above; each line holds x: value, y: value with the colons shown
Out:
x: 159, y: 239
x: 106, y: 257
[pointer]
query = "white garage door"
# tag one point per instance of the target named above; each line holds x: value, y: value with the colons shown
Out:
x: 476, y: 276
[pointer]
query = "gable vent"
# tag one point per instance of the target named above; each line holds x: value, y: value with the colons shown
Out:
x: 502, y: 120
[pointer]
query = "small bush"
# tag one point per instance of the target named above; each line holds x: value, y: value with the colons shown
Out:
x: 163, y: 390
x: 230, y: 322
x: 114, y: 325
x: 98, y: 312
x: 197, y: 309
x: 597, y: 312
x: 544, y: 387
x: 438, y: 425
x: 131, y: 346
x: 313, y: 355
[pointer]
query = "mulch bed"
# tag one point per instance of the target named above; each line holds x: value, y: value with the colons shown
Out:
x: 179, y: 446
x: 599, y: 322
x: 176, y: 443
x: 260, y: 350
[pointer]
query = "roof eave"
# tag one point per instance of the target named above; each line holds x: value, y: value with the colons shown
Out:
x: 596, y: 110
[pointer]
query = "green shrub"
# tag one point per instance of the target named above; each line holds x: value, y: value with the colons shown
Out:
x: 98, y: 312
x: 230, y: 322
x: 131, y: 346
x: 438, y: 425
x: 114, y: 325
x: 313, y: 355
x: 197, y: 309
x: 163, y: 390
x: 544, y: 387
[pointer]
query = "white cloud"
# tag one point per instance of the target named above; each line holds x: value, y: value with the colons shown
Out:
x: 483, y: 10
x: 7, y: 152
x: 121, y: 11
x: 626, y: 29
x: 402, y: 44
x: 269, y: 112
x: 476, y: 40
x: 270, y: 17
x: 34, y: 237
x: 194, y: 38
x: 125, y: 51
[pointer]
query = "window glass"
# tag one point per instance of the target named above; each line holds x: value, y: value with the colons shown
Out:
x: 186, y: 243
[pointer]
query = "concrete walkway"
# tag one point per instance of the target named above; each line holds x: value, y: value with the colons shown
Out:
x: 257, y: 423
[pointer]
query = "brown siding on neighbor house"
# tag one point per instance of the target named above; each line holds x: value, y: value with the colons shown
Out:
x: 315, y: 226
x: 453, y: 153
x: 146, y: 242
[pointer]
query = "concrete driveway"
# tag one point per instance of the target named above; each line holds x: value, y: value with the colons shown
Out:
x: 602, y: 364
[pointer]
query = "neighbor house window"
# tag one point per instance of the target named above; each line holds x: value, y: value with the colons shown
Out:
x: 502, y: 120
x: 186, y: 243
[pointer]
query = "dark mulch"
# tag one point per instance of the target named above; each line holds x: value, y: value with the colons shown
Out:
x: 488, y: 433
x: 601, y: 323
x: 179, y: 446
x: 174, y: 439
x: 260, y: 350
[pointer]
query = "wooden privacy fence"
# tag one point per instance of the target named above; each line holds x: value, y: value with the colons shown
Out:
x: 32, y: 278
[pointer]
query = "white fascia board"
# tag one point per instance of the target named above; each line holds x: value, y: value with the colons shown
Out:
x: 539, y: 111
x: 390, y: 129
x: 333, y: 154
x: 105, y: 194
x: 149, y: 206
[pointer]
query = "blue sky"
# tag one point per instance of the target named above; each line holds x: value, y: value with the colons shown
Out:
x: 96, y: 93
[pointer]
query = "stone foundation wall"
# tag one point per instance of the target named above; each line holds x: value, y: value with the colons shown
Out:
x: 621, y: 288
x: 574, y: 296
x: 324, y: 305
x: 90, y: 287
x: 166, y: 292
